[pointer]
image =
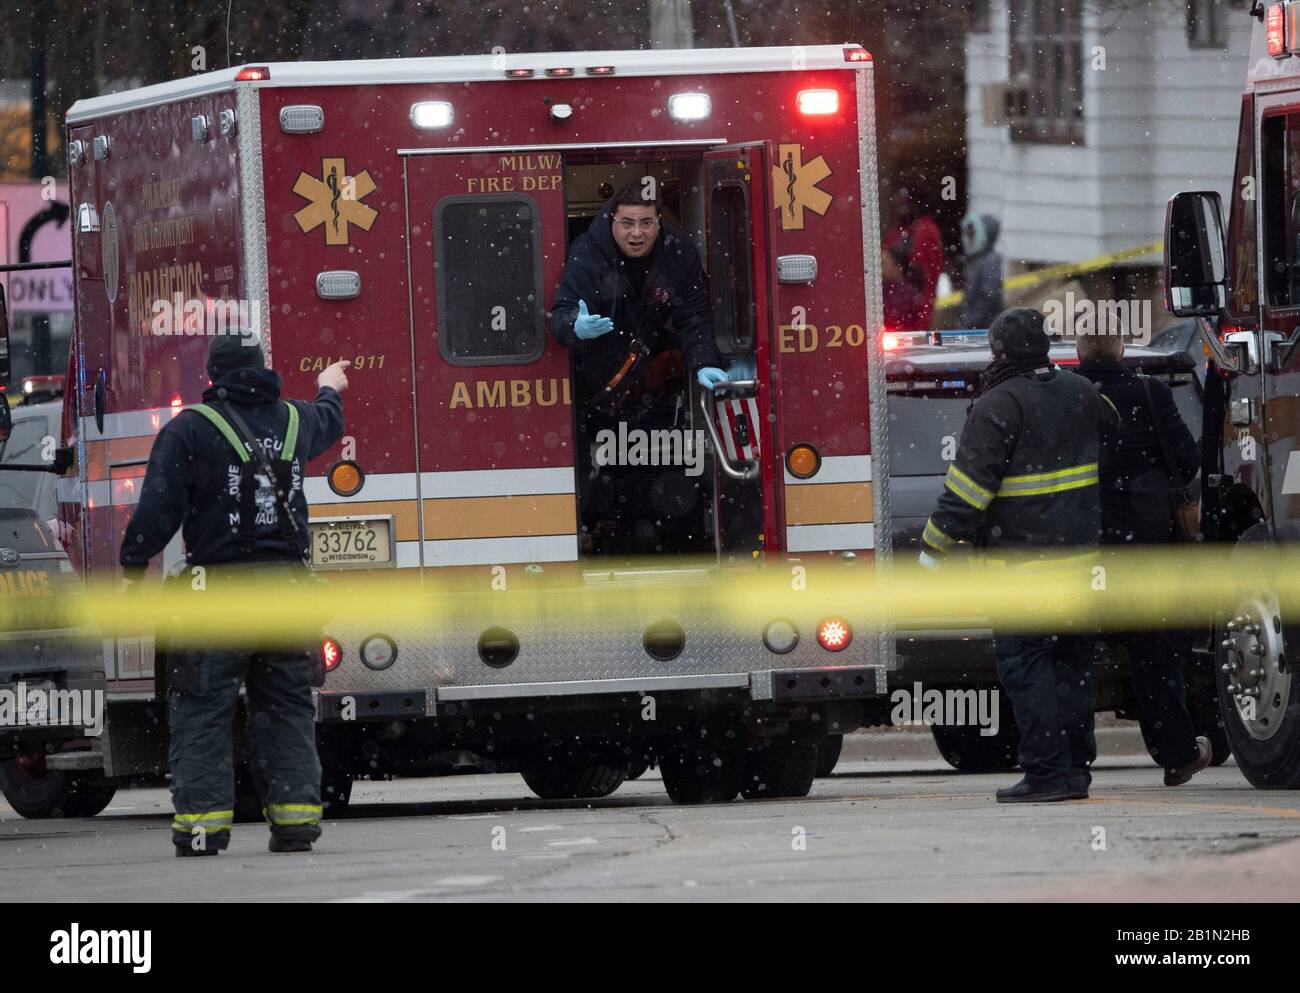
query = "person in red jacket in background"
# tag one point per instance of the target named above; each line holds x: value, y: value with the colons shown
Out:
x: 903, y: 305
x: 920, y: 233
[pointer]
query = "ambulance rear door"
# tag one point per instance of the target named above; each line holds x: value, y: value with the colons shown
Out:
x: 494, y: 413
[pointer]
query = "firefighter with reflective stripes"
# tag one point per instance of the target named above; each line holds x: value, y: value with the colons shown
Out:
x: 228, y: 473
x: 1025, y: 482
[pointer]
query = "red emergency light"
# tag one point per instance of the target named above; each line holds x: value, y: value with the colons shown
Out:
x: 890, y: 342
x: 1293, y: 27
x: 252, y: 74
x: 819, y: 102
x: 600, y: 70
x: 834, y: 635
x: 519, y: 73
x: 560, y: 71
x: 1275, y: 30
x: 856, y: 54
x: 331, y: 654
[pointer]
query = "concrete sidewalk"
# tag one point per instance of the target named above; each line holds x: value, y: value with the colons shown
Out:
x: 1114, y: 738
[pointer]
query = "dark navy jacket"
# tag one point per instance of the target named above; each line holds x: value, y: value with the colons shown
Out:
x: 1136, y: 499
x: 193, y: 479
x: 674, y: 288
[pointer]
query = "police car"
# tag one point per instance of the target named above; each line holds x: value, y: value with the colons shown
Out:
x: 932, y: 380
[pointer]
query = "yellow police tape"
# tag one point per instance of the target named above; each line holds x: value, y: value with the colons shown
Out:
x: 1173, y: 587
x: 1066, y: 270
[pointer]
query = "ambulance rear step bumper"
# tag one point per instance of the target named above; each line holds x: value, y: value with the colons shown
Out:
x: 774, y: 685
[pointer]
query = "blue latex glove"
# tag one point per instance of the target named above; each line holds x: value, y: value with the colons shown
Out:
x: 710, y: 376
x: 742, y: 368
x: 928, y: 561
x: 589, y: 325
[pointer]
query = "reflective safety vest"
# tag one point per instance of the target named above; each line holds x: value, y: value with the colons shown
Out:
x: 253, y: 495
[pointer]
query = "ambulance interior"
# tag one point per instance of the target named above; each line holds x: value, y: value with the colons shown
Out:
x: 671, y: 509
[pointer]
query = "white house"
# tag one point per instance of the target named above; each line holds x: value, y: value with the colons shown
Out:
x: 1113, y: 107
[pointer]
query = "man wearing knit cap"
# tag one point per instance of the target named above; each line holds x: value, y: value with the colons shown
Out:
x: 227, y: 473
x: 1024, y: 484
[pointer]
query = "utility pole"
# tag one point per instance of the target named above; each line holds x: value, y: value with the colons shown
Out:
x: 671, y: 24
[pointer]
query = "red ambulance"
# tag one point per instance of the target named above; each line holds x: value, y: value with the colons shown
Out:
x: 413, y: 216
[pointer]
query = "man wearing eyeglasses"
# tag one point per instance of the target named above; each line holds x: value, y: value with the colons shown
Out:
x: 626, y: 278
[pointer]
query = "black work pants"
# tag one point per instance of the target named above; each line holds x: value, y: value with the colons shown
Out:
x: 1049, y: 682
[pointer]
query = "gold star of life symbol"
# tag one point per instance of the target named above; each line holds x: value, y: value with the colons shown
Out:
x: 795, y: 182
x: 335, y: 201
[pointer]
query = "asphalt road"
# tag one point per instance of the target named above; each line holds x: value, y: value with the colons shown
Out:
x: 898, y: 830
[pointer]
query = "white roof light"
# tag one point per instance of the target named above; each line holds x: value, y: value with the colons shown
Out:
x: 431, y: 114
x: 689, y: 106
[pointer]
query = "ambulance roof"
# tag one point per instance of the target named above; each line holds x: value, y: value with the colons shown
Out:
x: 478, y: 68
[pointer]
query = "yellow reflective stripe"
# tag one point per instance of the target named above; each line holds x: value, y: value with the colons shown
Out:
x: 290, y: 814
x: 1037, y: 477
x: 212, y: 820
x: 936, y: 539
x: 1037, y: 484
x: 966, y: 488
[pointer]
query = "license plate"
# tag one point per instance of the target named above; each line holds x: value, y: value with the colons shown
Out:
x: 351, y: 543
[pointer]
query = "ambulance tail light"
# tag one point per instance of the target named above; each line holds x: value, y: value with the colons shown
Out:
x: 1276, y: 20
x: 429, y: 114
x: 688, y: 107
x: 819, y: 102
x: 330, y: 654
x: 834, y: 634
x: 803, y: 461
x: 856, y: 53
x: 346, y: 478
x: 253, y: 74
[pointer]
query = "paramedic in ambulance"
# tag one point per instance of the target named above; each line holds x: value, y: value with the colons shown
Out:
x: 227, y: 473
x: 626, y: 278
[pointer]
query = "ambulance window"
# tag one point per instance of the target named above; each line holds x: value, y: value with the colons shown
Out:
x: 1242, y: 278
x: 488, y: 274
x: 1280, y: 151
x: 731, y: 274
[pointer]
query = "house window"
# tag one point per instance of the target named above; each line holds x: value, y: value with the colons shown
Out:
x: 1047, y: 59
x: 488, y: 276
x: 1205, y: 27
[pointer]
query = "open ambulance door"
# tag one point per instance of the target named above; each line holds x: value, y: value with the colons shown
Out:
x: 494, y: 434
x: 737, y: 416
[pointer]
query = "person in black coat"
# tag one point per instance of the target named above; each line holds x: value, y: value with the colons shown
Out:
x: 1137, y: 508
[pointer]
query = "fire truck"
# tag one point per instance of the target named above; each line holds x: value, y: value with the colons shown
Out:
x: 1242, y: 283
x: 413, y: 216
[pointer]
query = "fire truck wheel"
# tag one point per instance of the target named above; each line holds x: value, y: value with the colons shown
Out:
x: 1259, y: 696
x: 694, y: 773
x: 35, y: 791
x: 781, y: 767
x: 828, y: 754
x: 576, y: 781
x: 966, y: 750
